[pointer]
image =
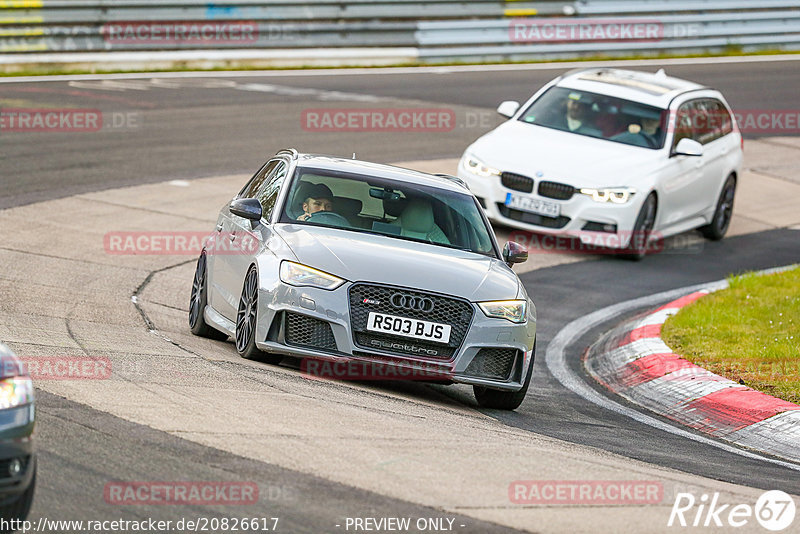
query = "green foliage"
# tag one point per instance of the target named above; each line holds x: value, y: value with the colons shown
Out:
x: 749, y: 332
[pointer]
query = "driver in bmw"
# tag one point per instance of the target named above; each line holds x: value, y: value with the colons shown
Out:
x: 319, y: 198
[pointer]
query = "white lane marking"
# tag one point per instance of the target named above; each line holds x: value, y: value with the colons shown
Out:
x: 179, y: 183
x: 659, y: 317
x: 281, y: 90
x: 781, y: 432
x: 95, y: 86
x: 555, y: 357
x: 406, y: 70
x: 636, y: 350
x: 112, y: 85
x: 319, y: 94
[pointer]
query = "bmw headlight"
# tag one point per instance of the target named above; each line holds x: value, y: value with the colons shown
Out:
x: 511, y: 310
x: 296, y: 274
x: 16, y: 391
x: 476, y: 166
x: 615, y: 195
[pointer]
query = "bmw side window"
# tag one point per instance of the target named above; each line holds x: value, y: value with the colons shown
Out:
x: 268, y: 194
x: 255, y: 183
x: 722, y: 118
x: 704, y: 121
x: 683, y: 123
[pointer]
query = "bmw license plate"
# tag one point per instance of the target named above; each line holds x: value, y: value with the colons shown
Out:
x: 413, y: 328
x: 533, y: 205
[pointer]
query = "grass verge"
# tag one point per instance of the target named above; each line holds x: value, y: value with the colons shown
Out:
x: 51, y: 70
x: 749, y: 333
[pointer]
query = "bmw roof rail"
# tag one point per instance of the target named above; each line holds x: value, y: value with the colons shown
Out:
x: 287, y: 151
x: 452, y: 178
x: 573, y: 72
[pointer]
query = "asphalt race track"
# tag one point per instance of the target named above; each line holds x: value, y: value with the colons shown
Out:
x: 185, y: 128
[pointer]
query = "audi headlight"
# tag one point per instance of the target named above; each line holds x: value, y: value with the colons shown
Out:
x: 296, y: 274
x: 476, y: 166
x: 511, y: 310
x: 16, y: 391
x: 616, y: 195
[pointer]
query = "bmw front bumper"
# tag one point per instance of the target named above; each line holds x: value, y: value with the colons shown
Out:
x: 605, y: 224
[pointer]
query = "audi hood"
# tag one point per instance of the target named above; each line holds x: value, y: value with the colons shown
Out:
x: 358, y: 256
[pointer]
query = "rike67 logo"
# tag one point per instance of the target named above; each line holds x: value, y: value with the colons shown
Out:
x: 774, y: 510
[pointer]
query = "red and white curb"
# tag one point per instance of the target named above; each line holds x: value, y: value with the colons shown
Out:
x: 633, y: 362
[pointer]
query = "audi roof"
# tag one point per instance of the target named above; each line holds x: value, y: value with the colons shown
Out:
x: 399, y: 174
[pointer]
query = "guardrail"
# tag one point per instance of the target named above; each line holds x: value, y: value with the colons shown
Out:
x: 440, y: 30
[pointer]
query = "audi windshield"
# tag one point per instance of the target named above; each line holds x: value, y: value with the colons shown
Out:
x: 375, y: 205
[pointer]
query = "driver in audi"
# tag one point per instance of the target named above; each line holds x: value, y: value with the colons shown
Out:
x: 319, y: 198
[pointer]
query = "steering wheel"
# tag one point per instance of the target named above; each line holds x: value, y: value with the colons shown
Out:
x: 328, y: 217
x: 651, y: 142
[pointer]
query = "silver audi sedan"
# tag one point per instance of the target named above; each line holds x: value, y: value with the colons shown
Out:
x: 367, y: 271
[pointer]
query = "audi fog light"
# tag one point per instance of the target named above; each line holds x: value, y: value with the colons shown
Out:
x: 296, y: 274
x: 511, y: 310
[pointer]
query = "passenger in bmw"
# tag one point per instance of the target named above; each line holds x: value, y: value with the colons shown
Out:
x: 318, y: 198
x: 646, y: 134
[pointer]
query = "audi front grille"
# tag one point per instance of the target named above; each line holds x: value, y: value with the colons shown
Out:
x: 366, y: 298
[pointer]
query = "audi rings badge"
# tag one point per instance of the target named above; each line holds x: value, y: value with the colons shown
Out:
x: 411, y: 303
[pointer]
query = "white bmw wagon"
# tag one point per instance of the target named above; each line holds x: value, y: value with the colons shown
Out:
x: 611, y: 156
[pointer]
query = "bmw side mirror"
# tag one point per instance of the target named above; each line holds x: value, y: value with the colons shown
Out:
x: 514, y: 253
x: 688, y: 147
x: 248, y: 208
x: 508, y: 108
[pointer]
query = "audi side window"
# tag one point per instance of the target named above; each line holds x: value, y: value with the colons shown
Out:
x: 268, y: 194
x: 255, y: 183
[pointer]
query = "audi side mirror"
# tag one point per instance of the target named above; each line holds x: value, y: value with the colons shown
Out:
x: 248, y: 208
x: 514, y: 253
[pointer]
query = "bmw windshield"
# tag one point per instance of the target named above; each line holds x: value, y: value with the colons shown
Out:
x: 400, y: 210
x: 600, y: 116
